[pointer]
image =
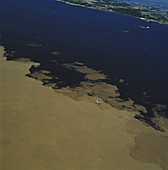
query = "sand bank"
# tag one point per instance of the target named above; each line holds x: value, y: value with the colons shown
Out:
x: 42, y: 129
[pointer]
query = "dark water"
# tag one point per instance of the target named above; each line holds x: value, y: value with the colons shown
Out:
x: 35, y: 28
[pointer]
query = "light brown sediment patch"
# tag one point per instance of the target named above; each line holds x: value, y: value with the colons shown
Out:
x: 91, y: 74
x: 160, y: 112
x: 23, y: 60
x: 79, y: 63
x: 45, y: 130
x: 55, y: 52
x: 162, y: 122
x: 107, y: 92
x: 10, y: 54
x: 121, y: 80
x: 40, y: 75
x: 45, y: 71
x: 32, y: 44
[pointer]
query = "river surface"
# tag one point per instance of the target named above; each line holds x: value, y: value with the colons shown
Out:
x: 105, y: 41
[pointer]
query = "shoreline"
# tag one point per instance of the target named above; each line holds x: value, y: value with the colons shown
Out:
x: 39, y: 132
x: 101, y: 9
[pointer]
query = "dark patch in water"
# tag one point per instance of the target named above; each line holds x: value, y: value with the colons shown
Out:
x: 60, y: 75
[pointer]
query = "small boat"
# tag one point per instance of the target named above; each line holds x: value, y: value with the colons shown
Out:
x: 98, y: 101
x: 125, y: 30
x: 144, y: 27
